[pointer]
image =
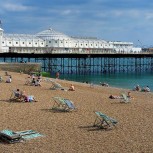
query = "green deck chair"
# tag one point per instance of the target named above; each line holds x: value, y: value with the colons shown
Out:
x: 103, y: 121
x: 62, y: 104
x: 124, y: 98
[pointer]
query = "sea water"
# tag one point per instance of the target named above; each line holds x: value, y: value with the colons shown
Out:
x: 120, y: 80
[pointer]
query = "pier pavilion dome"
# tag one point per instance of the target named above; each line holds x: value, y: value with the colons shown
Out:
x: 52, y: 34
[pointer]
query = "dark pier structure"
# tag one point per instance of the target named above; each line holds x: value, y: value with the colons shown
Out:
x: 85, y: 63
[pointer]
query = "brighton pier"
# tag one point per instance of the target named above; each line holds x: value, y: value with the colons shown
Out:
x: 68, y: 54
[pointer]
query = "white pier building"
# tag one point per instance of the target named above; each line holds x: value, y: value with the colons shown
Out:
x: 51, y: 41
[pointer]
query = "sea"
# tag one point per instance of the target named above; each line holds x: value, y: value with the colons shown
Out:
x: 120, y: 80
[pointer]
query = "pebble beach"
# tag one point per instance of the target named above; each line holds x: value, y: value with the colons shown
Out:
x: 73, y: 132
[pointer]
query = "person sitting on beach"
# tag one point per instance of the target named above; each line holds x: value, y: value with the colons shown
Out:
x: 37, y: 82
x: 104, y: 84
x: 137, y: 88
x: 9, y: 79
x: 146, y: 89
x: 18, y: 94
x: 71, y: 88
x: 33, y: 81
x: 129, y: 95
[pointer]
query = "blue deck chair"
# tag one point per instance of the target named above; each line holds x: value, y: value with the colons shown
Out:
x: 103, y: 121
x: 10, y: 136
x: 62, y: 104
x: 124, y: 98
x: 69, y: 104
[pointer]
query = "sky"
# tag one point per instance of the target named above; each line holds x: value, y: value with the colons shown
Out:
x: 111, y: 20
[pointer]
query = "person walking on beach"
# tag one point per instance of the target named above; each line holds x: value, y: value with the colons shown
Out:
x: 57, y: 75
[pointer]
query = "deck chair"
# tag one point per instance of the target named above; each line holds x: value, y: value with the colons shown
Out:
x: 103, y: 121
x: 124, y: 98
x: 57, y: 86
x: 15, y: 97
x: 10, y: 136
x: 62, y: 104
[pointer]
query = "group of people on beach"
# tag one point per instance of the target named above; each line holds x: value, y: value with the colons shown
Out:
x: 23, y: 97
x: 144, y: 89
x: 34, y: 80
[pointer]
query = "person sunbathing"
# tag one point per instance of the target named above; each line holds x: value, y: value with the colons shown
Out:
x: 71, y: 88
x: 28, y: 98
x: 115, y: 97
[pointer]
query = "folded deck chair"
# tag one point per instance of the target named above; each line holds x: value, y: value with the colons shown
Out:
x: 124, y: 98
x: 103, y: 121
x: 10, y: 136
x: 62, y: 104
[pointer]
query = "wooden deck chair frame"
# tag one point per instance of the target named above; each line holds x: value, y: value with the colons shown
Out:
x: 103, y: 121
x: 59, y: 104
x: 63, y: 104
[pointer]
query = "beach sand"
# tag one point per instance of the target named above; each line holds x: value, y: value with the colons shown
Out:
x: 73, y: 132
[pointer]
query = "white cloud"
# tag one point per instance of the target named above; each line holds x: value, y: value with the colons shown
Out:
x: 14, y: 7
x: 149, y: 16
x: 66, y: 12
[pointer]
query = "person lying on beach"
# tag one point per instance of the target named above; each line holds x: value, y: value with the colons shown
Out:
x: 115, y: 97
x: 28, y: 98
x: 71, y: 88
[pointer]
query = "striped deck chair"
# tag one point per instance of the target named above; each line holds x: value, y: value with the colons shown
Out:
x: 103, y: 121
x: 62, y: 104
x: 124, y: 98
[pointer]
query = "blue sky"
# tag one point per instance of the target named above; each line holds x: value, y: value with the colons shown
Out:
x: 120, y: 20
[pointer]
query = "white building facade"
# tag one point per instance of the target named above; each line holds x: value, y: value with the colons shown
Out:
x: 51, y: 41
